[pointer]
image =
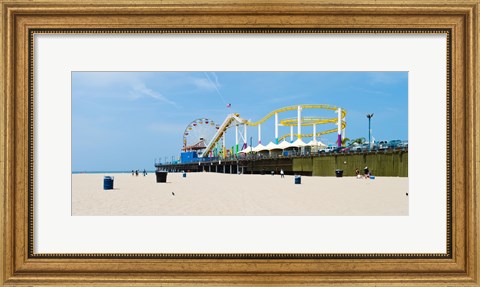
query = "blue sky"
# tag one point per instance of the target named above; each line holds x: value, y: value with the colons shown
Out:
x: 126, y: 120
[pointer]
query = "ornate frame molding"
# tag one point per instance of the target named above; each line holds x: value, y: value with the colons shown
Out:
x: 22, y: 19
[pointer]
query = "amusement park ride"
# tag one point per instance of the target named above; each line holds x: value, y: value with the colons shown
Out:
x: 202, y: 136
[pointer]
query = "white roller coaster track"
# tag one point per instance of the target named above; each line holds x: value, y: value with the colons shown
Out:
x: 221, y: 131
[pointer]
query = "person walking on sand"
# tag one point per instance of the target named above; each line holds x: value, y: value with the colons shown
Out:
x: 366, y: 172
x: 136, y: 172
x: 357, y: 173
x: 133, y: 172
x: 282, y: 174
x: 144, y: 172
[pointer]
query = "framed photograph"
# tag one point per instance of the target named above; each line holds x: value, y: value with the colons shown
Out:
x: 213, y: 165
x: 192, y: 143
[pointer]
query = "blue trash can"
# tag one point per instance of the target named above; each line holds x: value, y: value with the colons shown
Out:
x: 184, y: 174
x: 298, y: 179
x: 108, y: 182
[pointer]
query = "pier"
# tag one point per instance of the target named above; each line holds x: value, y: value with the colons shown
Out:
x: 381, y: 163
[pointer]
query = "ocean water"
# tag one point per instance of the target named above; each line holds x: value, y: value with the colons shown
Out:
x: 110, y: 171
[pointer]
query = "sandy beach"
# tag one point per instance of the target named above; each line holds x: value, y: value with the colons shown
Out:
x: 209, y: 194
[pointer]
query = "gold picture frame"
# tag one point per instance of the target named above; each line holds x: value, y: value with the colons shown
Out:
x: 21, y: 20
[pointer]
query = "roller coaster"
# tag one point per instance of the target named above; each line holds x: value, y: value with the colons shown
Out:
x: 235, y: 120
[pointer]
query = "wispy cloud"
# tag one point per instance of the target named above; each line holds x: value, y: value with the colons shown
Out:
x: 216, y: 85
x: 209, y: 82
x: 214, y: 75
x: 135, y: 86
x: 386, y: 77
x: 141, y: 91
x: 374, y: 92
x: 203, y: 83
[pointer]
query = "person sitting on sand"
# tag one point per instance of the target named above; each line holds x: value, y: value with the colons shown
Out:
x: 366, y: 172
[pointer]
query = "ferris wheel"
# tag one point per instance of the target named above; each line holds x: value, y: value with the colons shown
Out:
x: 201, y: 129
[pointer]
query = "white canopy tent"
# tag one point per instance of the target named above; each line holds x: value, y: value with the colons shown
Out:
x: 320, y: 144
x: 313, y: 143
x: 272, y: 146
x: 284, y: 145
x: 246, y: 150
x: 298, y: 143
x: 259, y: 147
